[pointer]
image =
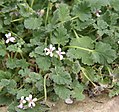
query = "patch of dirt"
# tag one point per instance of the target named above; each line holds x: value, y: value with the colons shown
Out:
x: 3, y: 109
x: 98, y: 104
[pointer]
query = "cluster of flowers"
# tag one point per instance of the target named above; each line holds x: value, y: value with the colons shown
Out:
x: 31, y: 101
x: 49, y: 51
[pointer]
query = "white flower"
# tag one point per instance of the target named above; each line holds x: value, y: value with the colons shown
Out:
x: 60, y: 53
x: 98, y: 13
x: 31, y: 101
x: 49, y: 51
x: 22, y: 101
x: 9, y: 38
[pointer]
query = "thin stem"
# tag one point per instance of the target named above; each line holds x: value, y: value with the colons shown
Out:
x: 21, y: 55
x: 75, y: 34
x: 85, y: 49
x: 47, y: 13
x: 40, y: 98
x: 83, y: 70
x: 109, y: 71
x: 45, y: 90
x: 15, y: 55
x: 68, y: 20
x: 21, y: 86
x: 20, y: 19
x: 32, y: 3
x: 46, y: 39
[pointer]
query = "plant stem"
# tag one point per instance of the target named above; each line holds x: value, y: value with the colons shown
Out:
x: 17, y: 20
x: 75, y: 34
x: 32, y: 3
x: 47, y: 13
x: 68, y: 20
x: 40, y: 98
x: 83, y: 70
x: 45, y: 90
x: 85, y: 49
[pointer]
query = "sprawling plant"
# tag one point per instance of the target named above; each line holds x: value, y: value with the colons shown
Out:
x: 57, y: 49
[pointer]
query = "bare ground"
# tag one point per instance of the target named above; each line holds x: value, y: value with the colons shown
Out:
x: 98, y: 104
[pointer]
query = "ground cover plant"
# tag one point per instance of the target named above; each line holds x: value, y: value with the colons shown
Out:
x: 59, y: 49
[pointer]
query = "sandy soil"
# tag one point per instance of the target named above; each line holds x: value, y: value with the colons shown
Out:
x: 3, y: 109
x: 98, y: 104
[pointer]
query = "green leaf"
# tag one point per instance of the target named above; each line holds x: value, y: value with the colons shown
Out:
x: 81, y: 25
x: 60, y: 36
x: 102, y: 27
x: 13, y: 48
x: 25, y: 9
x: 43, y: 62
x: 14, y: 63
x: 23, y: 92
x: 103, y: 53
x: 24, y: 72
x: 40, y: 49
x: 76, y: 67
x: 35, y: 77
x: 114, y: 92
x: 5, y: 75
x: 91, y: 74
x: 62, y: 91
x: 63, y: 13
x: 33, y: 23
x: 98, y: 3
x: 21, y: 63
x: 4, y: 82
x: 5, y: 99
x: 114, y: 4
x: 40, y: 84
x: 60, y: 76
x: 81, y: 48
x: 77, y: 91
x: 82, y: 10
x: 2, y: 49
x: 12, y: 87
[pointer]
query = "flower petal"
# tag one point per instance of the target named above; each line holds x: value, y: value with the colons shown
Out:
x: 47, y: 53
x: 57, y: 52
x: 24, y: 101
x: 28, y: 99
x: 6, y: 35
x: 22, y: 98
x: 97, y: 14
x: 59, y: 49
x: 53, y: 48
x: 46, y: 49
x: 30, y: 96
x: 50, y: 46
x: 12, y: 39
x: 33, y: 104
x: 61, y: 57
x: 20, y: 106
x: 63, y: 53
x: 51, y: 54
x: 7, y: 41
x: 30, y: 104
x: 35, y: 99
x: 9, y: 34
